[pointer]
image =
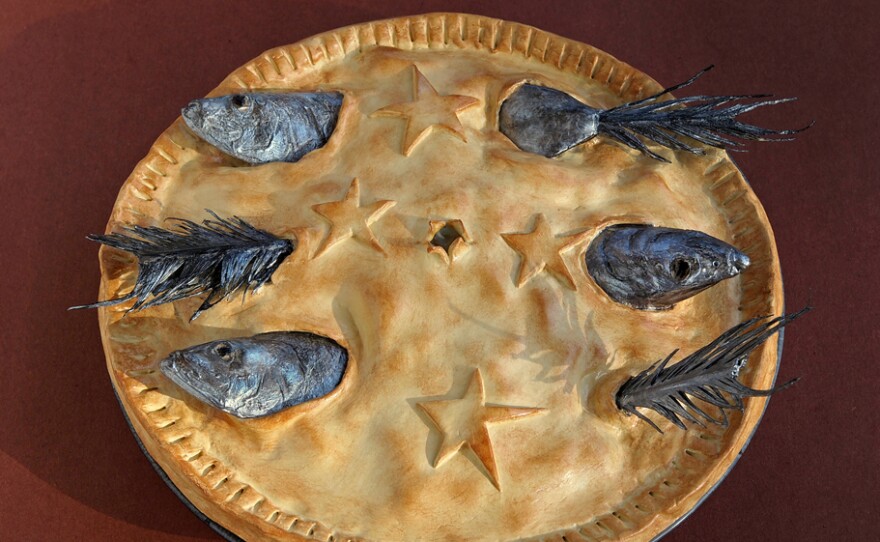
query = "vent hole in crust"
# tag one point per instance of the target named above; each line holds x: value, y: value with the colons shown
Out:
x: 445, y: 237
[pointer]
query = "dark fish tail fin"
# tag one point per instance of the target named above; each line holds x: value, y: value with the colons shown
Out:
x: 708, y: 375
x: 218, y: 257
x: 107, y: 303
x: 710, y: 120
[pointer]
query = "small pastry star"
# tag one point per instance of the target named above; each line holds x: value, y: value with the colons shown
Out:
x: 348, y: 218
x: 463, y: 422
x: 427, y: 110
x: 540, y: 249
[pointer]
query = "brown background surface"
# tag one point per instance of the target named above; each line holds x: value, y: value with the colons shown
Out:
x: 85, y: 88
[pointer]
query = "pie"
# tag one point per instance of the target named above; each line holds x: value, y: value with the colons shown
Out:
x: 478, y: 402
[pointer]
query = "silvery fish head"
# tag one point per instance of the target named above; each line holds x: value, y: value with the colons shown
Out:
x: 262, y: 127
x: 255, y: 376
x: 650, y: 267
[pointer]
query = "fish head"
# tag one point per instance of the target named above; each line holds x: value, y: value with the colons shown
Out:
x: 241, y: 125
x: 247, y: 377
x: 649, y: 267
x: 684, y: 262
x: 250, y: 377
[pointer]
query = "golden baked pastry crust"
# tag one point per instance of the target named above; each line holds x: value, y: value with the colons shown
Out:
x: 478, y: 402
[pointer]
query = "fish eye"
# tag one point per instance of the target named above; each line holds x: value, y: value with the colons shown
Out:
x: 240, y: 102
x: 680, y: 269
x: 224, y: 350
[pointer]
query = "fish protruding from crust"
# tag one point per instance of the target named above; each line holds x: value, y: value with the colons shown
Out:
x: 548, y: 122
x: 265, y: 127
x: 710, y: 375
x: 251, y: 377
x: 652, y: 268
x: 219, y: 257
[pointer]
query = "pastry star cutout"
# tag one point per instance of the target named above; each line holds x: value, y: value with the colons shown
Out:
x: 348, y: 218
x: 541, y: 250
x: 463, y: 422
x: 427, y: 110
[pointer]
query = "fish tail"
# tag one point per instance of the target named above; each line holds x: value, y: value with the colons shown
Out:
x: 709, y: 375
x: 710, y: 120
x: 107, y: 303
x: 667, y: 90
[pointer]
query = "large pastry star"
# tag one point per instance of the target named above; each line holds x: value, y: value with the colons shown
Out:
x: 462, y: 422
x: 348, y: 218
x: 427, y: 110
x: 540, y: 250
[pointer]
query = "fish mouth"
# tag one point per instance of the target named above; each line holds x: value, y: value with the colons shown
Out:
x: 178, y: 369
x: 169, y: 364
x: 737, y: 262
x: 192, y: 113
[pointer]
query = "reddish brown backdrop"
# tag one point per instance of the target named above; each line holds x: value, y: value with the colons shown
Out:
x: 85, y: 88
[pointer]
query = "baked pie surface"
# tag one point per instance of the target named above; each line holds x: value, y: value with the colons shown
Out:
x: 478, y: 403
